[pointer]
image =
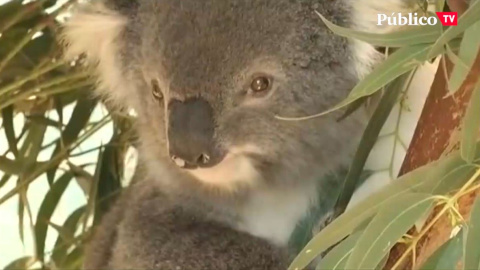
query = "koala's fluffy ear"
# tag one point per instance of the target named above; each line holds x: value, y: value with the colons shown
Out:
x: 364, y: 18
x: 93, y: 30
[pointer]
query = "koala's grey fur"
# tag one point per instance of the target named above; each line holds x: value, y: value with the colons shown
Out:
x: 210, y: 49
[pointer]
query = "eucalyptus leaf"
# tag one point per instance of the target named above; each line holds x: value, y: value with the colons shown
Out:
x: 370, y: 136
x: 471, y: 259
x: 426, y: 179
x: 78, y: 120
x: 393, y: 220
x: 9, y: 166
x: 7, y: 117
x: 32, y: 145
x: 337, y: 258
x: 65, y: 240
x: 21, y: 213
x: 447, y: 256
x: 469, y: 48
x: 47, y: 208
x: 92, y: 193
x: 398, y: 63
x: 7, y: 10
x: 465, y: 21
x: 21, y: 263
x: 108, y: 178
x: 439, y: 5
x: 74, y: 259
x: 471, y: 125
x: 4, y: 179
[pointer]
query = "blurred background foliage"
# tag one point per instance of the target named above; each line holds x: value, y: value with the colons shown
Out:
x: 56, y: 137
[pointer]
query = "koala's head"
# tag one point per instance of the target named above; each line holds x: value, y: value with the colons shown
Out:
x: 207, y: 78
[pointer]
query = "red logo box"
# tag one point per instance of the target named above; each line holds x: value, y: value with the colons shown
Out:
x: 448, y: 18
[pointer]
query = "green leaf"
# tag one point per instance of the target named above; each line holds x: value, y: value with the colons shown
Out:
x: 7, y: 116
x: 383, y: 262
x: 21, y: 263
x: 84, y: 179
x: 47, y: 208
x: 338, y: 256
x: 400, y: 62
x: 4, y: 179
x: 78, y: 120
x: 393, y: 220
x: 439, y: 5
x: 447, y: 256
x: 92, y: 193
x: 471, y: 126
x: 426, y: 179
x: 453, y: 178
x: 471, y: 259
x: 9, y: 166
x: 40, y: 119
x: 8, y: 9
x: 469, y: 48
x: 370, y: 136
x: 43, y: 167
x: 108, y: 177
x: 22, y: 194
x: 413, y: 35
x: 65, y: 239
x: 74, y: 259
x: 32, y: 145
x: 468, y: 18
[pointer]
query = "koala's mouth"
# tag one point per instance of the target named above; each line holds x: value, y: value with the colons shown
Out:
x: 237, y: 168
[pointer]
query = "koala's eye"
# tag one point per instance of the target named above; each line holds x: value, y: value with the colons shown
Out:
x: 260, y: 84
x: 156, y: 91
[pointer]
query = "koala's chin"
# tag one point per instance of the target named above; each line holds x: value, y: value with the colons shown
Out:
x: 237, y: 168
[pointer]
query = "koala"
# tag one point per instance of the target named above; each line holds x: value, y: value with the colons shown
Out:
x: 223, y: 179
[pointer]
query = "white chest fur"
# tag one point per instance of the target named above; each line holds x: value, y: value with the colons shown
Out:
x: 273, y: 214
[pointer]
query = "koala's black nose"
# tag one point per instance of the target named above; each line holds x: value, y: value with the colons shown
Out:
x: 190, y: 133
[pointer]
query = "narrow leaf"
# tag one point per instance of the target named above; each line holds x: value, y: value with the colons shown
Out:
x: 394, y: 219
x: 74, y: 259
x: 78, y: 120
x: 471, y: 125
x: 7, y: 116
x: 9, y: 166
x: 21, y: 263
x: 65, y: 240
x: 465, y: 21
x: 447, y: 256
x: 4, y: 179
x: 47, y: 208
x: 471, y: 258
x: 32, y: 145
x: 108, y: 177
x: 426, y: 179
x: 400, y: 62
x: 369, y: 138
x: 469, y: 49
x: 338, y: 256
x: 439, y: 5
